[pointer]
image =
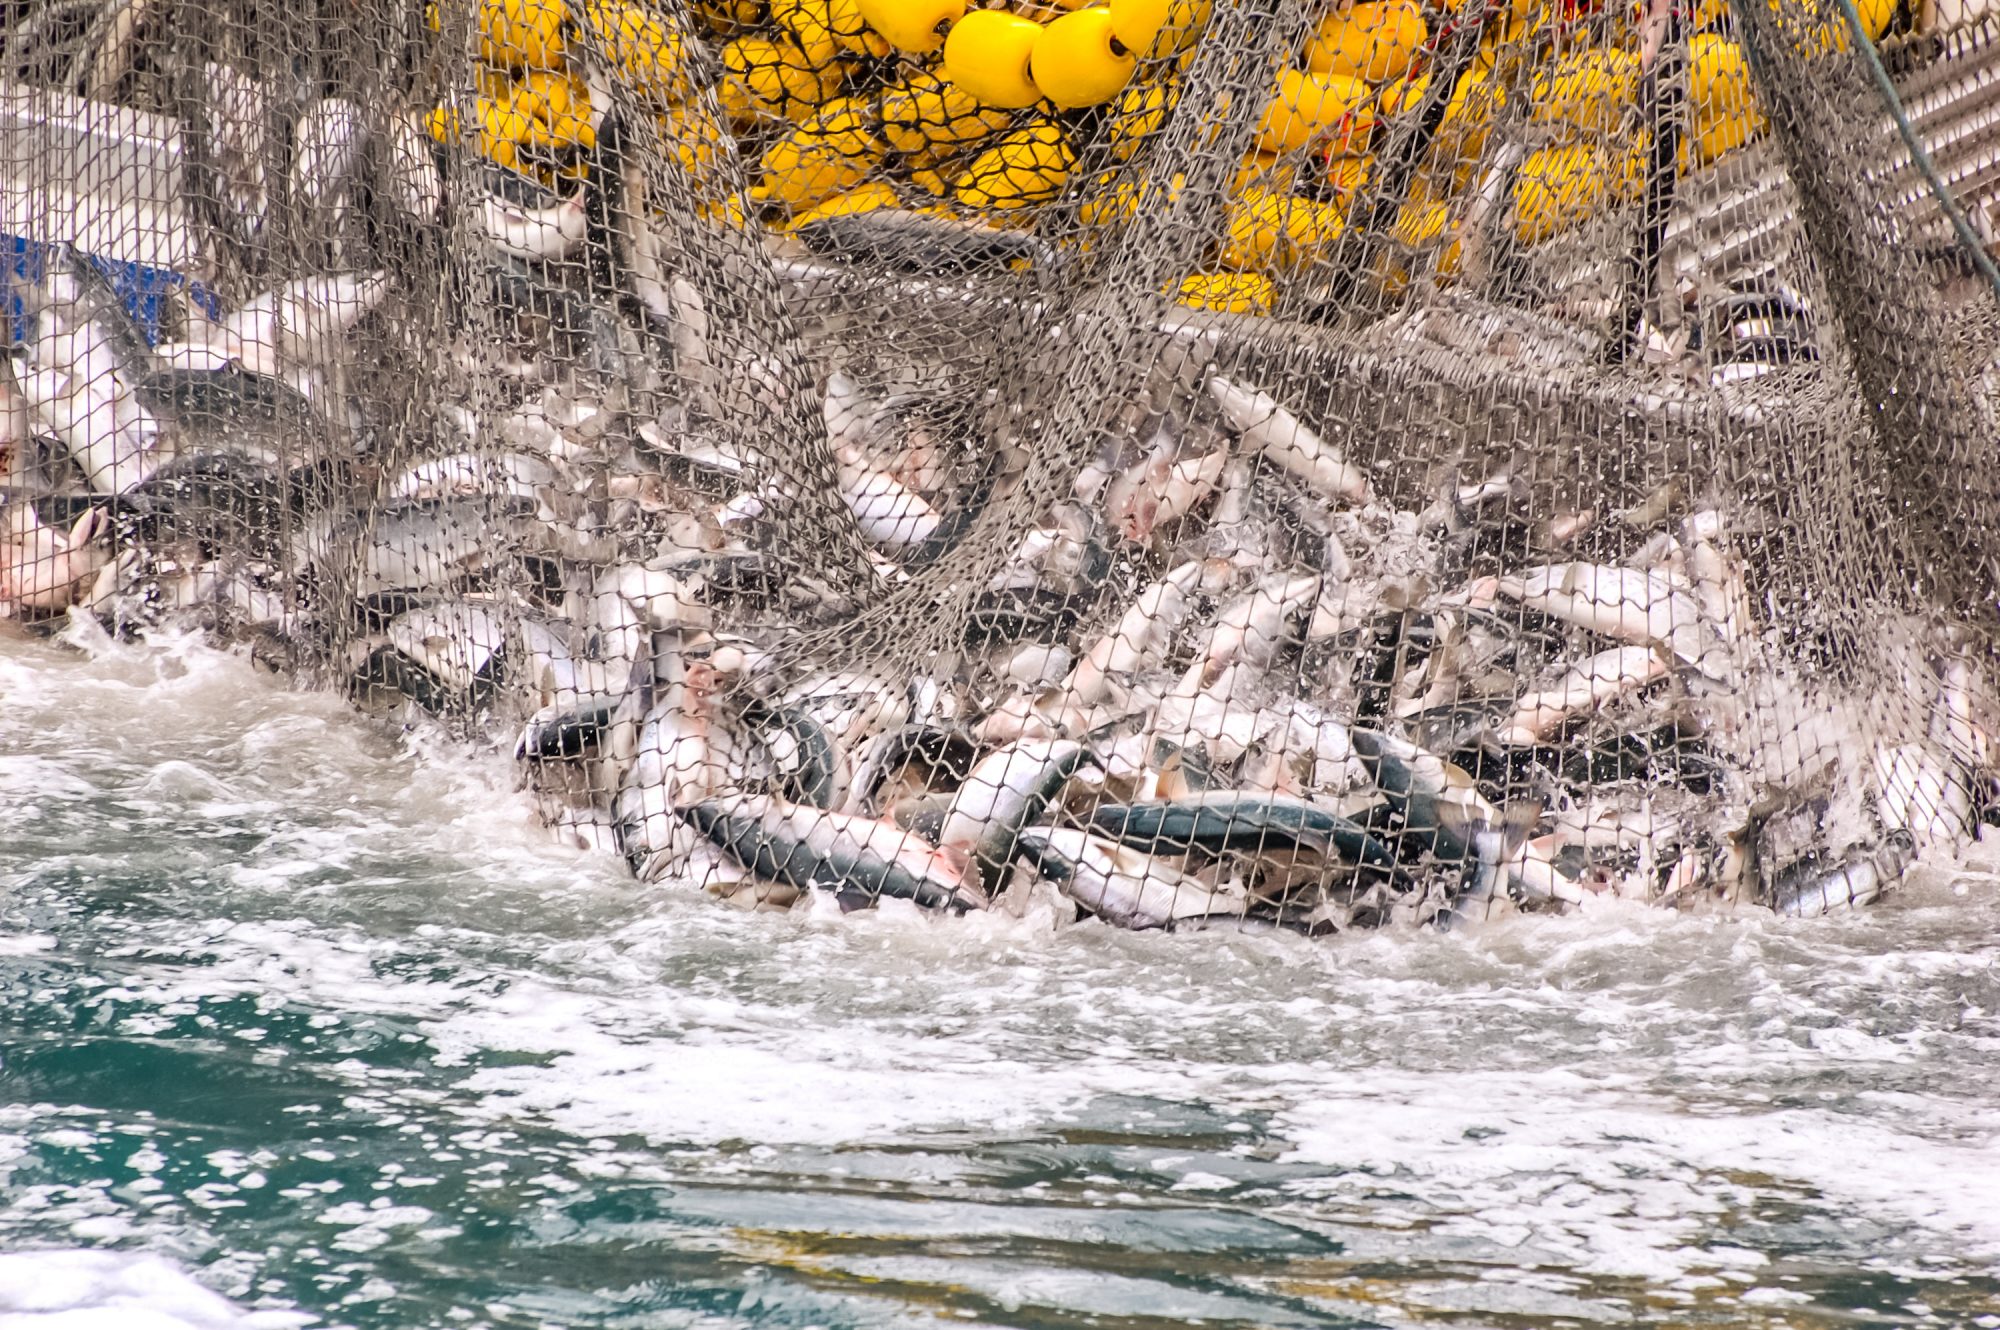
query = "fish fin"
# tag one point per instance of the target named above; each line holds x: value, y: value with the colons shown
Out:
x: 86, y: 527
x: 1098, y: 734
x: 1572, y: 578
x: 1517, y: 822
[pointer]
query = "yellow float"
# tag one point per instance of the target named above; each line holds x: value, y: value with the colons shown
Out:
x: 1315, y: 109
x: 1374, y: 41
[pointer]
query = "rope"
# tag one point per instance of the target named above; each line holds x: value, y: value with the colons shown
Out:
x: 1966, y: 236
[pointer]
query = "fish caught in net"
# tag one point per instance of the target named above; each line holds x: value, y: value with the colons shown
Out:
x: 1314, y: 466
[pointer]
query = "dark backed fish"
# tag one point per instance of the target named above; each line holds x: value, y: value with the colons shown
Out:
x: 920, y: 244
x: 1813, y: 886
x: 1229, y: 820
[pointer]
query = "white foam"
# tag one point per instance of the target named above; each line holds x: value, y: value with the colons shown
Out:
x: 1590, y: 1094
x: 1623, y: 1183
x: 112, y: 1290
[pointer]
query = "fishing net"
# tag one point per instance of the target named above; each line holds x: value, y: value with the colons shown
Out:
x: 1172, y: 461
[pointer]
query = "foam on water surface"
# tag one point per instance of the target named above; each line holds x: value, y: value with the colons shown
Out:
x: 306, y: 1019
x: 108, y: 1290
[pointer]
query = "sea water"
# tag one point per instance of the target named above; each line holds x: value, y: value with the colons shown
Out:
x: 304, y: 1022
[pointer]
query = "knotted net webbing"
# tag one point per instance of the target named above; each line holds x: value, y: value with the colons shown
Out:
x: 1317, y: 465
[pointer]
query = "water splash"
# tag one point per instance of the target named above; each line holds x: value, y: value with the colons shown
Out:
x: 312, y: 1009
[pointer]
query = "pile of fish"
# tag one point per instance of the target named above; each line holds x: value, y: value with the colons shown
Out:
x: 1219, y: 677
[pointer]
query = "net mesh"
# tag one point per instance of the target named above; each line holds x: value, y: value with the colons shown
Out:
x: 1309, y: 466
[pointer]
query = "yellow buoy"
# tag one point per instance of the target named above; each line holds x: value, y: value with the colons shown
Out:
x: 1468, y: 116
x: 868, y: 197
x: 1229, y: 292
x: 1264, y: 170
x: 490, y: 82
x: 517, y: 34
x: 1079, y: 61
x: 851, y: 31
x: 1558, y: 188
x: 926, y: 113
x: 1116, y: 201
x: 771, y: 78
x: 1524, y: 18
x: 1402, y: 95
x: 697, y: 141
x: 1138, y: 114
x: 1585, y: 94
x: 730, y: 212
x: 1724, y: 108
x: 1155, y: 28
x: 1023, y: 167
x: 1315, y: 108
x: 548, y: 95
x: 1186, y: 21
x: 917, y: 26
x: 1138, y: 22
x: 1272, y: 232
x: 1374, y: 41
x: 931, y: 180
x: 1346, y: 173
x: 809, y: 23
x: 1421, y: 228
x: 1815, y: 31
x: 989, y: 54
x: 850, y: 124
x: 729, y: 18
x: 644, y: 49
x: 561, y: 102
x: 502, y: 127
x: 444, y: 124
x: 808, y: 166
x: 1419, y: 224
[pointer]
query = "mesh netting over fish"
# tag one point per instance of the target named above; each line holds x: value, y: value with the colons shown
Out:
x: 1306, y: 465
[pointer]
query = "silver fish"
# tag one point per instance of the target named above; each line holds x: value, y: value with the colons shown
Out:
x: 1167, y: 483
x: 300, y: 323
x: 1588, y: 686
x: 1624, y: 604
x: 115, y: 441
x: 42, y: 568
x: 557, y: 668
x: 434, y: 543
x: 1812, y: 888
x: 1279, y: 436
x: 856, y: 857
x: 458, y: 642
x: 1251, y: 629
x: 87, y: 358
x: 660, y: 598
x: 890, y: 514
x: 1137, y: 640
x: 547, y: 232
x: 238, y: 113
x: 1123, y: 886
x: 1007, y: 790
x: 676, y: 763
x: 415, y: 184
x: 327, y: 144
x: 463, y: 474
x: 1919, y: 792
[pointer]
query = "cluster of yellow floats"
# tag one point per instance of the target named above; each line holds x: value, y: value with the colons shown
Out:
x: 853, y: 105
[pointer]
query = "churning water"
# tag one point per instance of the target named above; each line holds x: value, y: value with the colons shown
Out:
x: 304, y: 1023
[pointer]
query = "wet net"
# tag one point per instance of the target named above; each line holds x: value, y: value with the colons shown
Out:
x: 1173, y: 462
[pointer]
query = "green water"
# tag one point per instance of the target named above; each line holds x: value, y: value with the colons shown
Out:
x: 313, y: 1013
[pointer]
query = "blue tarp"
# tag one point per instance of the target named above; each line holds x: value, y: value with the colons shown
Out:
x: 141, y: 288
